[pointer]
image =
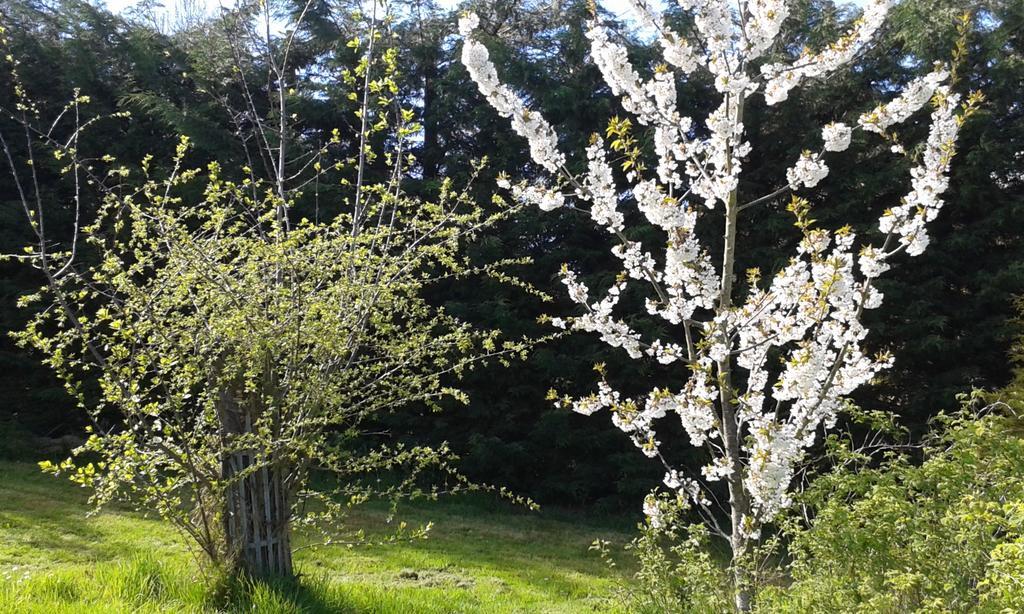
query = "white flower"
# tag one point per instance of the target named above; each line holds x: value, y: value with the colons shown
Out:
x: 468, y: 24
x: 872, y: 264
x: 545, y: 198
x: 917, y: 93
x: 784, y: 77
x: 638, y: 97
x: 718, y: 469
x: 808, y: 171
x: 652, y: 510
x: 526, y: 123
x: 678, y: 52
x: 763, y: 24
x: 601, y: 190
x: 928, y: 180
x: 659, y: 209
x: 836, y: 136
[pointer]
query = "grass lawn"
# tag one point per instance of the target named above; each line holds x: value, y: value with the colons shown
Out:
x: 56, y: 558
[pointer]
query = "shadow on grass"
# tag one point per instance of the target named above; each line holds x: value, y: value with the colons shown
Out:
x: 145, y: 583
x: 309, y: 595
x: 318, y: 594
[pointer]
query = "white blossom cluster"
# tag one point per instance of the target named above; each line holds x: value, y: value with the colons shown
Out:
x: 604, y: 397
x: 837, y: 136
x: 543, y: 197
x: 653, y: 511
x: 808, y: 171
x: 917, y: 93
x: 652, y: 102
x: 600, y: 188
x: 763, y: 25
x: 677, y: 50
x: 781, y: 77
x: 929, y: 179
x: 813, y: 307
x: 528, y: 124
x: 809, y: 312
x: 648, y: 101
x: 718, y: 177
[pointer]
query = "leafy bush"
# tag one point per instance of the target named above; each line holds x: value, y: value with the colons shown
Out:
x: 677, y: 570
x: 941, y: 530
x: 944, y: 534
x: 234, y: 347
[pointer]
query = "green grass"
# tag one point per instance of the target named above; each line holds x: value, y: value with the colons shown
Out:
x: 56, y: 558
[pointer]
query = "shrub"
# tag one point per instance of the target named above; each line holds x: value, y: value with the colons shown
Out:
x: 944, y: 534
x: 677, y: 570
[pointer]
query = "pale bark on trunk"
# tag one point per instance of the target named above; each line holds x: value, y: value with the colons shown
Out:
x: 739, y: 500
x: 257, y: 517
x: 257, y: 506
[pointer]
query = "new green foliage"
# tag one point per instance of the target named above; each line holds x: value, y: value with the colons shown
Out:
x: 224, y: 347
x: 944, y: 534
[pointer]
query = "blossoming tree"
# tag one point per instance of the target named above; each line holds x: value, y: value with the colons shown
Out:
x: 756, y: 415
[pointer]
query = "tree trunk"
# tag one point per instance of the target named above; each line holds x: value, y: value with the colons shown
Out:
x: 739, y: 500
x: 257, y: 506
x: 257, y: 518
x: 742, y: 591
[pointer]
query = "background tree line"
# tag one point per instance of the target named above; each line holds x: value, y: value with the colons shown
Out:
x: 947, y: 315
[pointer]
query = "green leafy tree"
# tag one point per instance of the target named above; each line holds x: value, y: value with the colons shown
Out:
x: 237, y: 348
